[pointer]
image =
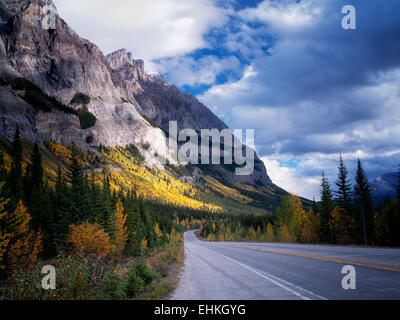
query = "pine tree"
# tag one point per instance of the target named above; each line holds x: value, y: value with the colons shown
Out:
x: 326, y: 209
x: 61, y: 220
x: 344, y: 194
x: 398, y: 184
x: 3, y: 172
x: 106, y: 217
x: 363, y: 201
x: 77, y: 195
x: 15, y: 181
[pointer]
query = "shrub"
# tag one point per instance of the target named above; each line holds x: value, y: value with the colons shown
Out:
x: 89, y: 139
x: 146, y: 146
x: 86, y: 118
x: 81, y: 99
x: 134, y: 285
x: 78, y: 277
x: 151, y: 122
x: 113, y: 286
x: 89, y: 239
x: 144, y: 272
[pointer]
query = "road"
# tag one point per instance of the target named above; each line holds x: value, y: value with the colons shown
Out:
x: 275, y: 271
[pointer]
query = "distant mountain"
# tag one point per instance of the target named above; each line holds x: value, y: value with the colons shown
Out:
x: 385, y: 186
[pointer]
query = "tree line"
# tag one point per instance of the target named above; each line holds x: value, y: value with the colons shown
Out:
x: 347, y: 215
x: 38, y: 220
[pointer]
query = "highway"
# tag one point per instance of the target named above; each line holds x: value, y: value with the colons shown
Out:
x: 276, y: 271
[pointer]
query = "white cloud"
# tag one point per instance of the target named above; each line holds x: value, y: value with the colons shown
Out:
x: 189, y: 71
x: 284, y: 15
x: 150, y: 29
x: 292, y: 180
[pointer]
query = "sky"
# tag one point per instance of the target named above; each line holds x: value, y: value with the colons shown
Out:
x: 286, y: 68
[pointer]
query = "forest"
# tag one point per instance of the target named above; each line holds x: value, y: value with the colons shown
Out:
x: 349, y: 215
x: 104, y: 243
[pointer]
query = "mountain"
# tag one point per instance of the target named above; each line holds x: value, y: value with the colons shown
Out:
x: 385, y: 186
x: 61, y: 88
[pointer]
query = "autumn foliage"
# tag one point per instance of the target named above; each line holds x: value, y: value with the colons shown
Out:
x: 19, y: 246
x: 121, y: 229
x: 90, y: 239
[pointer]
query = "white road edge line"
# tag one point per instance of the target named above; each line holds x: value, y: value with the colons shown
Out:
x: 269, y: 278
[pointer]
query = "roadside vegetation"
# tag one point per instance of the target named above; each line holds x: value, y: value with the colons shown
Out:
x: 104, y: 242
x: 346, y: 216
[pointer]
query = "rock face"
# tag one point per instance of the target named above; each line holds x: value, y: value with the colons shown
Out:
x: 62, y: 64
x: 385, y: 186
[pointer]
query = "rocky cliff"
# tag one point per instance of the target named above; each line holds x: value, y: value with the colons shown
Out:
x: 61, y: 65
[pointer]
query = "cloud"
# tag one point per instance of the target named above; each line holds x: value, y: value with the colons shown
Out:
x: 292, y: 180
x: 284, y: 15
x: 319, y: 90
x: 150, y: 29
x: 186, y: 70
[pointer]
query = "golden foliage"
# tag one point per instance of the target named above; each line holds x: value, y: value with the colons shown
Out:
x: 122, y: 230
x: 285, y: 235
x: 143, y: 244
x: 157, y: 231
x: 270, y: 236
x: 19, y: 245
x: 90, y: 239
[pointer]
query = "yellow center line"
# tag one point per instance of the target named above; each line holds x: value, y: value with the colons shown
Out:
x: 362, y: 263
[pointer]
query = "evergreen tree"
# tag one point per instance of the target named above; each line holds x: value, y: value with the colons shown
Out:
x: 363, y: 201
x: 106, y: 212
x: 77, y: 194
x: 326, y: 209
x: 398, y: 184
x: 15, y: 182
x: 3, y: 172
x: 61, y: 204
x: 344, y: 194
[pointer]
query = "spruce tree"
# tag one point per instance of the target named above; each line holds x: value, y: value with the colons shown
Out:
x: 326, y: 209
x: 3, y: 172
x: 344, y: 194
x: 398, y: 184
x: 61, y: 204
x: 363, y: 201
x: 77, y: 194
x: 15, y: 182
x: 106, y: 212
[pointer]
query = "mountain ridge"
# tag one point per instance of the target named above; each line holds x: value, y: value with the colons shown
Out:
x: 130, y: 106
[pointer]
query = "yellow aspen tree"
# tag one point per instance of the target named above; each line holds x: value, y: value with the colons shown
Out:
x: 270, y: 236
x: 121, y: 229
x: 25, y: 245
x: 5, y: 236
x: 157, y: 231
x: 143, y: 244
x: 90, y: 239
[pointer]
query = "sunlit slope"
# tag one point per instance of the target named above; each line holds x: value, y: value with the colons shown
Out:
x: 127, y: 171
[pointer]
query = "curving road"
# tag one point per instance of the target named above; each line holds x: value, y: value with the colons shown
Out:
x: 274, y: 271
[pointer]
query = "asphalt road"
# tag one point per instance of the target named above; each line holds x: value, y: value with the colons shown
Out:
x: 274, y: 271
